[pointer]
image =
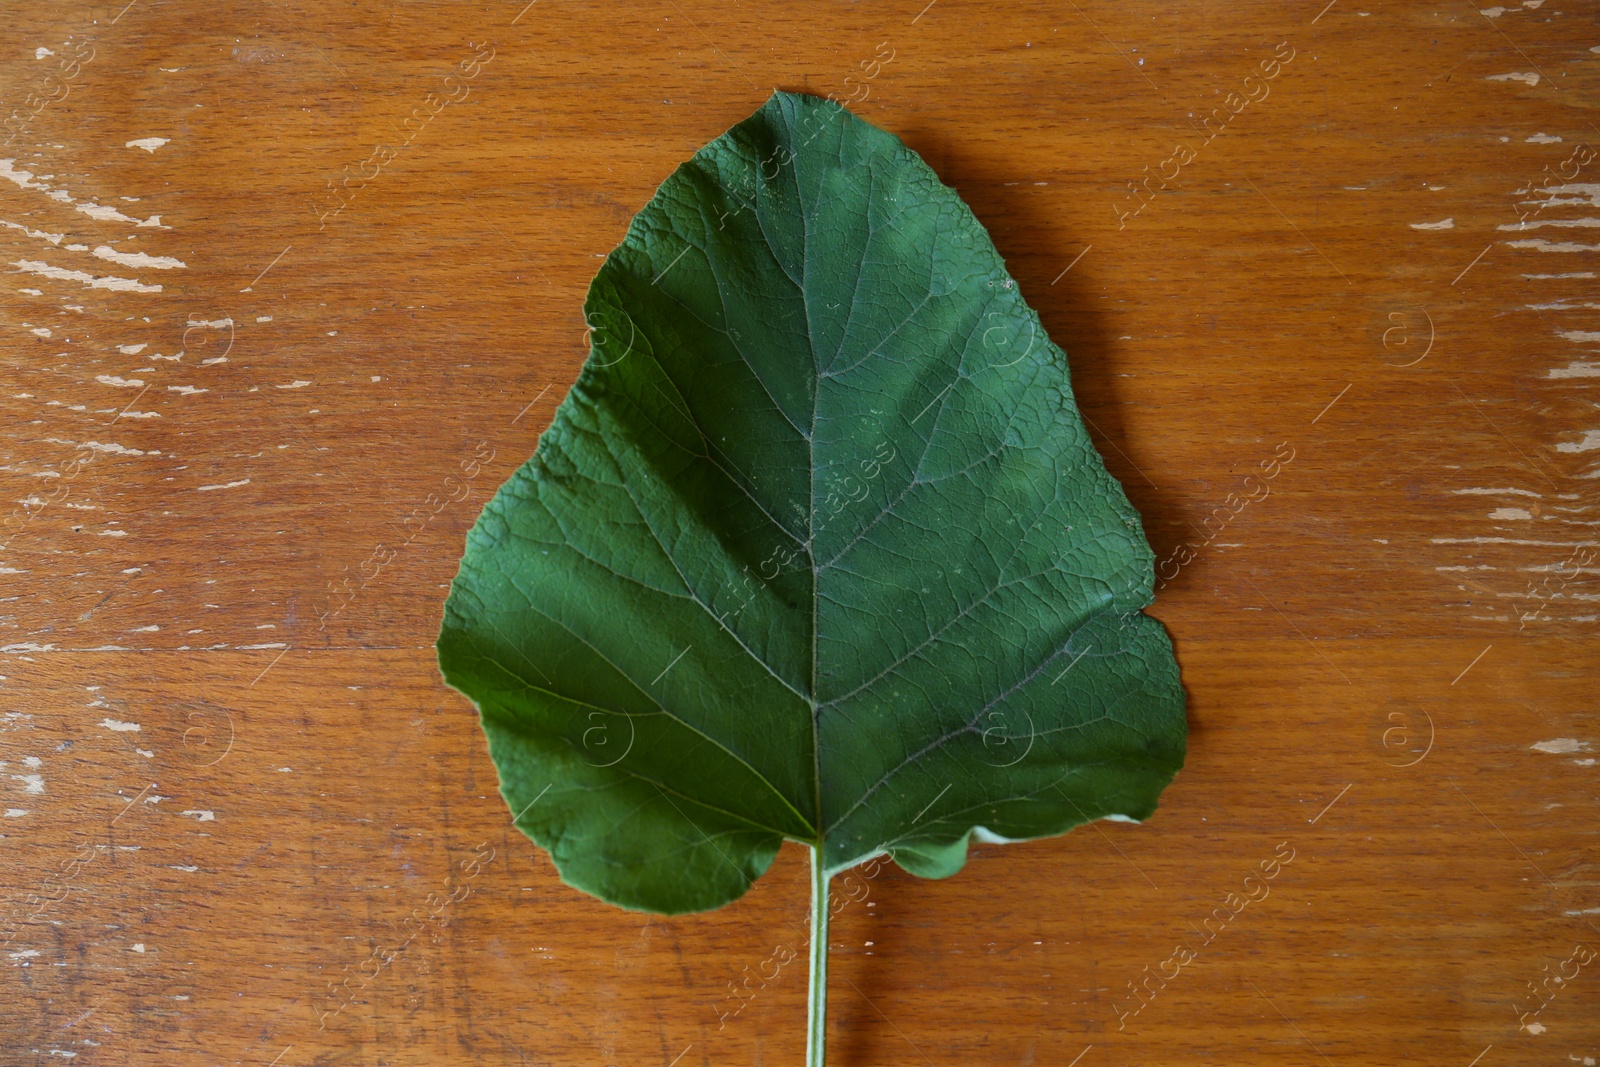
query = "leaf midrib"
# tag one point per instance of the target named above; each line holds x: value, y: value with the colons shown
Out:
x: 811, y: 491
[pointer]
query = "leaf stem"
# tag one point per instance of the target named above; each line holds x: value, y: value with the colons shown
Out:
x: 817, y: 995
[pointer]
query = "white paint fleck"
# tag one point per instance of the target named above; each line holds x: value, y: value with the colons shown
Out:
x: 31, y: 783
x: 137, y: 259
x: 186, y: 390
x: 25, y: 954
x: 1535, y: 1027
x: 1579, y: 336
x: 16, y: 813
x: 113, y: 448
x: 41, y: 52
x: 112, y: 282
x: 1510, y: 541
x: 263, y: 318
x: 203, y: 816
x: 1560, y: 746
x: 1568, y: 223
x: 1442, y: 224
x: 121, y: 727
x: 298, y: 383
x: 1510, y: 513
x: 1542, y: 138
x: 1526, y: 77
x: 21, y: 178
x: 132, y: 350
x: 32, y: 762
x: 41, y: 331
x: 152, y: 628
x: 1552, y: 246
x: 146, y: 753
x: 1590, y: 442
x: 149, y: 144
x: 1495, y: 492
x: 181, y: 867
x: 226, y: 485
x: 278, y: 644
x: 102, y: 213
x: 138, y: 946
x: 1493, y: 12
x: 1570, y: 194
x: 99, y: 212
x: 121, y: 383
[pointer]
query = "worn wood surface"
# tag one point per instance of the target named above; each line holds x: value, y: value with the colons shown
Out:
x: 231, y: 773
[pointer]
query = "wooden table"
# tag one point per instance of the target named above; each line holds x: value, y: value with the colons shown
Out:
x: 231, y: 771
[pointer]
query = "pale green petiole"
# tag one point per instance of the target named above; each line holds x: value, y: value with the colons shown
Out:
x: 817, y: 993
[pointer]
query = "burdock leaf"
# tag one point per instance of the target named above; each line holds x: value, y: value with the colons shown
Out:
x: 817, y: 546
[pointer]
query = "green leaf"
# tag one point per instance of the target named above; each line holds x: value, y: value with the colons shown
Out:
x: 817, y: 546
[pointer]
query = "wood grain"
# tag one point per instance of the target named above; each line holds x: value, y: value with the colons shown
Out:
x: 234, y: 784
